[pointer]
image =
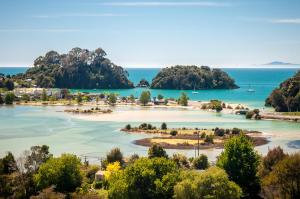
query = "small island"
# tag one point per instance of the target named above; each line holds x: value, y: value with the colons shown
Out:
x: 190, y: 138
x: 143, y: 83
x: 192, y: 77
x: 80, y: 69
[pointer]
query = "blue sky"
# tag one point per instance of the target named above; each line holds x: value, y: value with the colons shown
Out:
x: 153, y: 33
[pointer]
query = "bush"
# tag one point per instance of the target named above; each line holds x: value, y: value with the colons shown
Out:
x: 183, y: 100
x: 249, y: 114
x: 143, y: 126
x: 145, y: 97
x: 201, y: 162
x: 181, y: 160
x: 63, y: 172
x: 285, y: 177
x: 115, y: 155
x: 160, y: 97
x: 212, y: 183
x: 112, y: 98
x: 219, y: 132
x: 236, y: 131
x: 128, y: 127
x: 173, y: 133
x: 157, y: 151
x: 9, y: 98
x: 209, y: 139
x: 164, y: 126
x: 203, y: 135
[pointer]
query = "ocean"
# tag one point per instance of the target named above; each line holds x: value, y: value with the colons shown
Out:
x: 262, y: 80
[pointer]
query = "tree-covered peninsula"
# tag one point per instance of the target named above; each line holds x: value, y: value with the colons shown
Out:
x: 80, y: 68
x: 286, y: 98
x: 192, y: 77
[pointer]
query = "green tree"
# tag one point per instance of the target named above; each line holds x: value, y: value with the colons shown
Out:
x: 26, y: 97
x: 44, y: 96
x: 271, y: 159
x: 157, y: 151
x: 201, y: 162
x: 9, y: 84
x: 145, y: 97
x: 241, y: 162
x: 212, y: 183
x: 63, y: 173
x: 181, y: 160
x: 8, y: 164
x: 132, y: 98
x: 9, y: 98
x: 1, y: 99
x: 112, y: 98
x: 115, y: 155
x: 160, y: 97
x: 145, y: 178
x: 79, y: 98
x: 164, y: 126
x: 285, y: 176
x: 36, y: 157
x: 183, y: 99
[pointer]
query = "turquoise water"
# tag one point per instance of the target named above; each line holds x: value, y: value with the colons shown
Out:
x: 262, y: 80
x: 24, y: 126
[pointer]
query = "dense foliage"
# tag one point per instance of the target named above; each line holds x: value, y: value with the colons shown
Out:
x: 212, y: 183
x: 284, y: 178
x: 192, y: 77
x: 287, y: 96
x: 145, y: 97
x: 183, y: 99
x: 63, y: 172
x: 6, y: 83
x: 241, y: 162
x: 145, y: 178
x: 80, y: 68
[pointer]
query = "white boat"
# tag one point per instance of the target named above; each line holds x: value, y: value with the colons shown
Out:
x: 195, y: 92
x: 250, y: 89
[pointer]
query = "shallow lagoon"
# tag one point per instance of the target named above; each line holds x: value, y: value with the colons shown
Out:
x: 24, y: 126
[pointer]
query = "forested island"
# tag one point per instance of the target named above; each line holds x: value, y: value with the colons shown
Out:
x: 192, y: 77
x: 80, y: 69
x: 286, y: 98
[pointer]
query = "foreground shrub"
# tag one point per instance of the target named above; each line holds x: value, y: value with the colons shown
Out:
x: 157, y: 151
x: 240, y: 161
x: 285, y: 177
x: 212, y: 183
x: 145, y: 178
x: 201, y: 162
x: 63, y: 173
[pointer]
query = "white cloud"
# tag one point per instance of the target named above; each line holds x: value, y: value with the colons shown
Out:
x: 80, y: 15
x: 54, y: 30
x: 273, y: 21
x: 165, y: 4
x: 286, y: 21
